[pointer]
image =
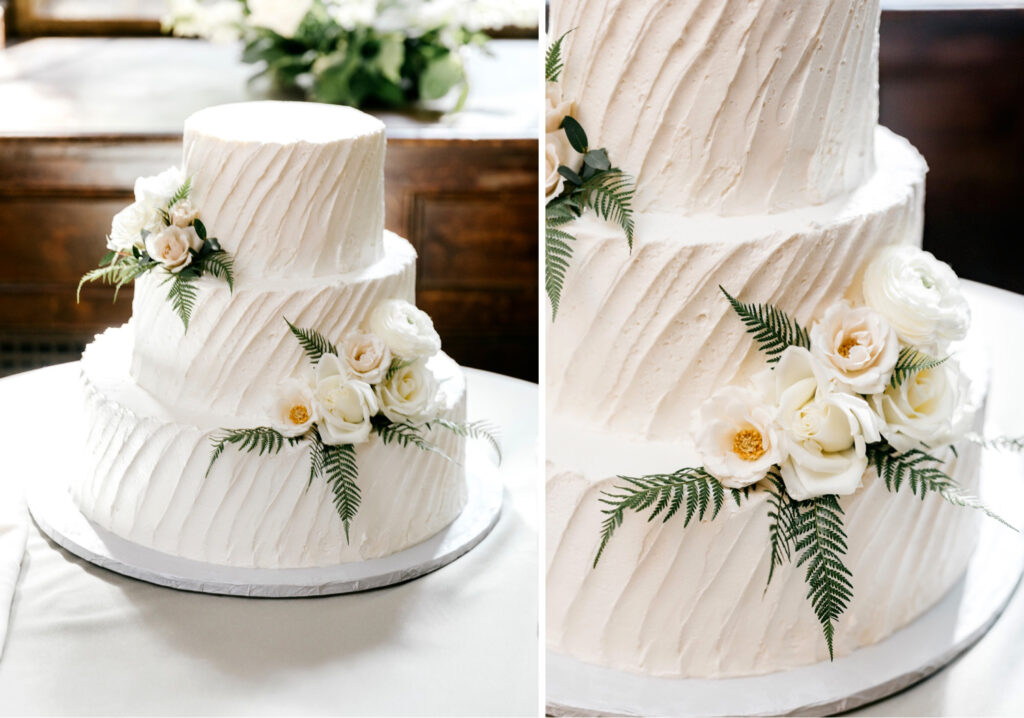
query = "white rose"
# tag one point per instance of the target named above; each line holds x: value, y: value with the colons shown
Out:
x: 739, y: 440
x: 156, y: 191
x: 919, y: 412
x: 281, y: 16
x: 825, y: 433
x: 918, y: 294
x: 344, y: 405
x: 857, y: 346
x: 170, y: 246
x: 183, y: 213
x: 410, y: 394
x: 555, y: 107
x: 293, y: 407
x: 558, y: 152
x: 367, y: 356
x: 128, y: 225
x: 408, y: 331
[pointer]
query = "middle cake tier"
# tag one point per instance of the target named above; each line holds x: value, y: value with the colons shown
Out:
x: 238, y: 343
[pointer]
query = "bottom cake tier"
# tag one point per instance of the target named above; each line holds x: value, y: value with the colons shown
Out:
x: 144, y: 478
x: 692, y: 602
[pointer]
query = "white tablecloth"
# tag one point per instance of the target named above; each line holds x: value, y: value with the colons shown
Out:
x: 460, y: 641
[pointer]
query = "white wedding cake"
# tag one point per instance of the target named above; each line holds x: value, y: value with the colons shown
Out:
x: 294, y: 194
x: 751, y: 132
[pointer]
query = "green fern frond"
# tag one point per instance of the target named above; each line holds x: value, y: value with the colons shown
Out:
x: 921, y: 472
x: 553, y: 62
x: 221, y: 265
x: 610, y: 194
x: 557, y: 249
x: 473, y: 430
x: 181, y: 193
x: 342, y: 473
x: 772, y: 328
x: 783, y: 518
x: 694, y: 491
x: 910, y: 362
x: 262, y: 440
x: 396, y: 366
x: 182, y: 296
x: 405, y: 435
x: 312, y: 342
x: 116, y: 274
x: 317, y: 456
x: 821, y: 545
x: 999, y: 443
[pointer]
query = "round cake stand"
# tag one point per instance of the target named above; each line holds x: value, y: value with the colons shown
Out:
x: 57, y: 516
x: 935, y: 638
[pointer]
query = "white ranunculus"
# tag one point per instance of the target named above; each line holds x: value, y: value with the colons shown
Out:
x: 738, y: 438
x: 556, y: 107
x: 344, y: 406
x: 825, y: 433
x: 367, y: 356
x: 408, y: 332
x: 410, y: 394
x: 281, y: 16
x: 183, y: 213
x: 918, y: 294
x: 919, y: 412
x: 156, y: 191
x: 857, y: 346
x: 293, y: 407
x: 170, y: 246
x: 558, y: 152
x: 128, y: 225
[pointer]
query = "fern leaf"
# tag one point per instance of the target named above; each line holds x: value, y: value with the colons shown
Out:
x: 911, y: 362
x: 473, y: 430
x: 342, y: 473
x: 221, y: 265
x: 694, y: 491
x: 772, y: 328
x: 922, y: 473
x: 783, y: 516
x: 317, y: 456
x: 181, y: 193
x: 405, y: 435
x: 821, y: 545
x: 396, y: 366
x: 557, y: 249
x: 182, y: 296
x: 999, y: 443
x: 261, y: 440
x: 312, y: 342
x: 116, y: 274
x: 610, y: 194
x: 553, y: 61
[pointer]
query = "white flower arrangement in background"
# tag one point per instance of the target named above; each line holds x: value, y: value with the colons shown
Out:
x: 869, y: 386
x: 392, y: 53
x: 377, y: 384
x: 161, y: 230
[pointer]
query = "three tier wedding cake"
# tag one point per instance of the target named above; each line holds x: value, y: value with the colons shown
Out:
x: 276, y: 400
x: 755, y: 428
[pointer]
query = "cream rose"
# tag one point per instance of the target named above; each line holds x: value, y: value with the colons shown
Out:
x: 128, y: 225
x: 919, y: 412
x: 281, y: 16
x: 555, y: 107
x: 367, y: 356
x: 738, y: 438
x: 825, y: 433
x: 293, y: 407
x: 344, y: 405
x: 857, y: 346
x: 170, y: 246
x: 919, y: 296
x: 183, y: 213
x: 410, y: 394
x: 156, y: 191
x: 408, y: 332
x: 558, y: 152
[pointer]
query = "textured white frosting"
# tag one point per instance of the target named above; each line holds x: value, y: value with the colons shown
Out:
x: 238, y: 344
x: 642, y: 338
x: 726, y: 107
x: 291, y: 189
x: 145, y: 462
x: 691, y: 602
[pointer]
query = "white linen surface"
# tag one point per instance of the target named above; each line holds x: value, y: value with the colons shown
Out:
x: 460, y: 641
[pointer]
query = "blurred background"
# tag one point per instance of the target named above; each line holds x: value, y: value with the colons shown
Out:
x: 93, y: 93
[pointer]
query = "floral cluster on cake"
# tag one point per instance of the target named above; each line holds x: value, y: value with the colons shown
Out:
x: 374, y: 383
x: 355, y: 52
x: 161, y: 231
x: 869, y: 386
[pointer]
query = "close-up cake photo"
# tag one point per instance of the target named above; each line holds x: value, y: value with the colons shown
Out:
x: 782, y: 428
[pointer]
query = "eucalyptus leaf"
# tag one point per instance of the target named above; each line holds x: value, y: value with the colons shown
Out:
x: 574, y: 131
x: 570, y: 175
x: 390, y: 57
x: 598, y: 159
x: 200, y: 229
x: 440, y: 76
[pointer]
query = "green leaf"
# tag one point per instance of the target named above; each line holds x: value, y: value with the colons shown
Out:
x: 570, y: 175
x: 821, y: 545
x: 553, y: 62
x: 219, y: 264
x: 783, y: 520
x: 694, y: 491
x: 574, y: 131
x: 405, y: 435
x: 200, y: 229
x: 261, y: 440
x: 342, y: 473
x: 610, y: 194
x: 557, y: 249
x: 182, y: 296
x: 118, y: 274
x: 441, y: 76
x: 390, y: 56
x: 396, y: 366
x: 181, y: 193
x: 312, y: 342
x: 471, y: 429
x: 317, y: 456
x: 773, y: 330
x: 598, y: 159
x: 911, y: 362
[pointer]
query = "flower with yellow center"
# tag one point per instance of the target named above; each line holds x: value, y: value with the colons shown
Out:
x: 293, y: 407
x: 737, y: 437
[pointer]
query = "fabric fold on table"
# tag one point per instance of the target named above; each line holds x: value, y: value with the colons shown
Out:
x: 13, y: 534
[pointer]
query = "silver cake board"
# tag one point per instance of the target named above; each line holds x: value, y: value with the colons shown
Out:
x: 921, y: 648
x: 57, y: 516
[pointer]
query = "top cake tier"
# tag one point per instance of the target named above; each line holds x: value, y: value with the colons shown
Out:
x: 722, y: 106
x: 291, y: 189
